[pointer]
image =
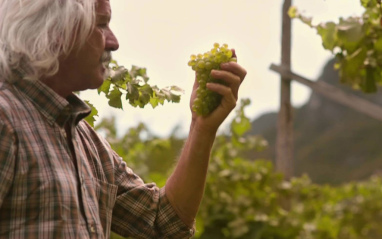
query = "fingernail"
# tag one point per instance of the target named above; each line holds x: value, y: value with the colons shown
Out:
x: 214, y: 72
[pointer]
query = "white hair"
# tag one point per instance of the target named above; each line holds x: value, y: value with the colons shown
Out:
x: 35, y: 33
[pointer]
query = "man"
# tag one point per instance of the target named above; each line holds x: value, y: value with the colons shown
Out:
x: 59, y: 179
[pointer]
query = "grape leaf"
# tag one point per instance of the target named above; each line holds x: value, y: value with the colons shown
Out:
x: 134, y: 85
x: 154, y: 102
x: 357, y: 45
x: 175, y: 98
x: 328, y: 33
x: 94, y: 112
x: 114, y: 97
x: 105, y: 87
x: 177, y: 89
x: 145, y: 95
x: 240, y: 126
x: 369, y: 85
x: 293, y: 12
x: 132, y: 92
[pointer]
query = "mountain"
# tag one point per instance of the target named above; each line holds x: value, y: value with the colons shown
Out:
x: 333, y: 143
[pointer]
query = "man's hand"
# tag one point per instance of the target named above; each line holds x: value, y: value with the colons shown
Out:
x: 185, y: 187
x: 232, y: 74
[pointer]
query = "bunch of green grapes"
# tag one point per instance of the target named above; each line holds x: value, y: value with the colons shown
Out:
x: 206, y: 101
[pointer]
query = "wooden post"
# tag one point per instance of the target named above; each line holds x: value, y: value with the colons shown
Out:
x: 284, y: 142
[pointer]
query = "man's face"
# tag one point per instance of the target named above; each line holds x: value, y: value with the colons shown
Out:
x: 84, y: 67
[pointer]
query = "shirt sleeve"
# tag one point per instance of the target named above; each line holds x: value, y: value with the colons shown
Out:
x: 143, y: 210
x: 7, y: 159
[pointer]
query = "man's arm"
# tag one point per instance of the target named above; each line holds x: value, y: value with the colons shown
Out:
x: 185, y: 187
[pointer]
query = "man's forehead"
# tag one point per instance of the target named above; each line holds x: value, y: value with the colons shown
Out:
x: 103, y: 7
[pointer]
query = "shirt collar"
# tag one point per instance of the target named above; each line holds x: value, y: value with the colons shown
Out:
x: 54, y: 107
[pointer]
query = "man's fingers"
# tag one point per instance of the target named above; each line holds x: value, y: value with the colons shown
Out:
x: 232, y: 80
x: 234, y: 68
x: 226, y: 76
x: 229, y: 100
x: 234, y: 53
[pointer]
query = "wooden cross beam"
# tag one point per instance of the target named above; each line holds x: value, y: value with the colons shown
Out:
x: 357, y: 103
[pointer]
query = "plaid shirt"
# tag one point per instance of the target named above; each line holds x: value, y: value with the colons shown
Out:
x: 41, y: 193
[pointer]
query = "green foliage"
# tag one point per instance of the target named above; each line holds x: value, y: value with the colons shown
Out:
x: 132, y: 85
x: 356, y: 43
x: 94, y: 113
x: 254, y: 202
x: 246, y: 199
x: 150, y: 157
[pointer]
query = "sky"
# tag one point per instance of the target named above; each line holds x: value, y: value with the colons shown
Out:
x: 162, y: 34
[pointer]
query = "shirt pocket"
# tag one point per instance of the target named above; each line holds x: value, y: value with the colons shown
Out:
x: 102, y: 199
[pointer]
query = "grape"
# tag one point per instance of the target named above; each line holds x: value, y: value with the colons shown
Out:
x: 206, y: 101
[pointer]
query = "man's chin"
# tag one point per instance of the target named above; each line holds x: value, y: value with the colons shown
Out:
x: 97, y: 83
x: 97, y: 80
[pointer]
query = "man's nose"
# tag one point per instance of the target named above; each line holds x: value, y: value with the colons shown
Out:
x: 111, y: 41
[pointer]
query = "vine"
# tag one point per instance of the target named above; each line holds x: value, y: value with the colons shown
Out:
x: 132, y: 85
x: 356, y: 43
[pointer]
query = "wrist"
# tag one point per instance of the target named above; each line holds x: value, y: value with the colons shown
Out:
x: 201, y: 128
